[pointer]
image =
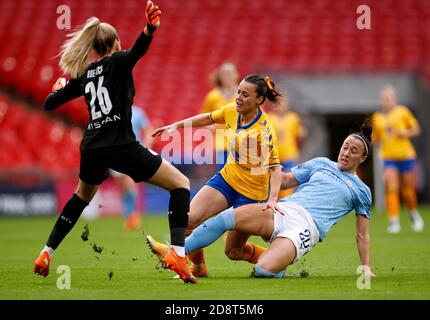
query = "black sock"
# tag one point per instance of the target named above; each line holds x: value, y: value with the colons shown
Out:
x: 65, y: 222
x: 179, y: 206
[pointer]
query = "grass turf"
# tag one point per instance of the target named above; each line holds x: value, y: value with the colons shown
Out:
x: 401, y: 263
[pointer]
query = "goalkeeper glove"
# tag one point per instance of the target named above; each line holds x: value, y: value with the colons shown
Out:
x: 152, y: 15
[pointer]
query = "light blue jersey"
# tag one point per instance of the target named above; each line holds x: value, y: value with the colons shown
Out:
x: 328, y: 193
x: 139, y: 121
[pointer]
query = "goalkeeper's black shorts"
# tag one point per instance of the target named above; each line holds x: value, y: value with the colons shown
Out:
x: 134, y: 160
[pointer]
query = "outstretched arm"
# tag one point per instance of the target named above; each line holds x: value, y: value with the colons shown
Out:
x: 62, y: 93
x: 199, y: 120
x: 363, y: 243
x: 130, y: 57
x: 275, y: 185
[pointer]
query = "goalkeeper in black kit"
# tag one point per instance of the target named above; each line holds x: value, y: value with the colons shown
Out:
x: 102, y: 73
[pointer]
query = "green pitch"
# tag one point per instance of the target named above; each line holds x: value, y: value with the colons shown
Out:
x: 125, y: 268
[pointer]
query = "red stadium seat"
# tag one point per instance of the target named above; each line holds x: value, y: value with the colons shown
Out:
x: 196, y: 36
x: 31, y: 141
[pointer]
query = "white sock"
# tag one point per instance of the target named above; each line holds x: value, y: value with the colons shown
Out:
x: 49, y: 250
x: 180, y: 251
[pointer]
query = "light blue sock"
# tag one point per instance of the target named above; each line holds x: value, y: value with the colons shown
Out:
x: 210, y: 230
x: 129, y: 202
x: 263, y: 273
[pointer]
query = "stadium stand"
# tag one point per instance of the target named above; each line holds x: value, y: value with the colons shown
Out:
x: 34, y: 146
x: 195, y: 36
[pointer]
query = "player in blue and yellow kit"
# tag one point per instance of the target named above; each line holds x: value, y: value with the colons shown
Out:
x: 393, y: 129
x: 252, y: 173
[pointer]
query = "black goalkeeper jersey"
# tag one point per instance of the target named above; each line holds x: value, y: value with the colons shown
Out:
x: 108, y: 88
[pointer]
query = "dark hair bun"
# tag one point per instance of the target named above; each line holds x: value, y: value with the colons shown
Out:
x: 366, y: 130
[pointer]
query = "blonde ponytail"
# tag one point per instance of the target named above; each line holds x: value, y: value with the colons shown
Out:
x: 76, y: 50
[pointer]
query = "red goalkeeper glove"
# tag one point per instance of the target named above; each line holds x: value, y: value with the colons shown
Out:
x: 152, y: 15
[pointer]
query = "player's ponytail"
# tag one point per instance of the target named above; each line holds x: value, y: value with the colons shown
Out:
x: 265, y: 88
x: 76, y: 51
x: 366, y: 131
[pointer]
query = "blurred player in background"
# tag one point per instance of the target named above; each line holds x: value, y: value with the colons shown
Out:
x: 290, y: 133
x: 102, y: 73
x: 247, y: 177
x: 327, y: 192
x: 129, y: 191
x: 394, y: 127
x: 224, y: 80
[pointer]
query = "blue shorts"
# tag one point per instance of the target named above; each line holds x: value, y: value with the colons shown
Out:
x: 234, y: 198
x: 287, y: 165
x: 402, y: 165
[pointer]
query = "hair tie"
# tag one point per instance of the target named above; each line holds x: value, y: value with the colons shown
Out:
x: 364, y: 142
x: 267, y: 80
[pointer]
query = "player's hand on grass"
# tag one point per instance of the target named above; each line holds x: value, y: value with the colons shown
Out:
x: 59, y: 84
x: 169, y: 128
x: 367, y: 272
x: 152, y: 15
x: 273, y: 206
